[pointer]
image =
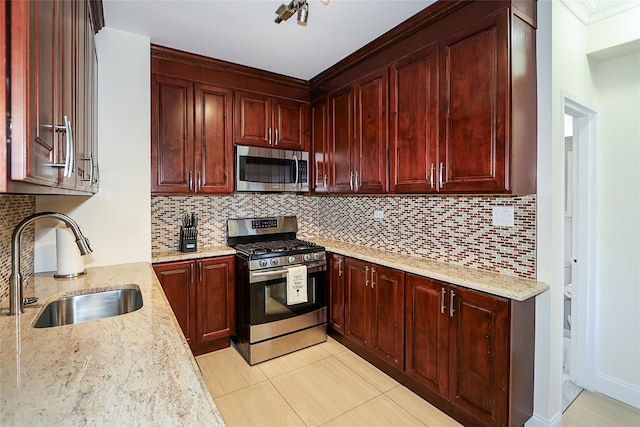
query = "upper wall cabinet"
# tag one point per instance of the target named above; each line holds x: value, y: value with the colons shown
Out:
x: 53, y: 99
x: 265, y: 121
x: 462, y: 98
x: 201, y: 106
x: 358, y: 136
x: 191, y: 147
x: 414, y: 122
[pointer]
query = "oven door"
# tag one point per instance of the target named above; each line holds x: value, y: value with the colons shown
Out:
x: 268, y: 294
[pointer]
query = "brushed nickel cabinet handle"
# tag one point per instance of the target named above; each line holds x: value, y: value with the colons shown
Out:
x: 451, y: 309
x: 373, y: 278
x: 339, y: 267
x: 356, y: 180
x: 366, y: 276
x: 441, y: 167
x: 190, y: 180
x: 269, y: 136
x: 351, y: 180
x: 443, y: 295
x: 277, y: 137
x: 431, y: 175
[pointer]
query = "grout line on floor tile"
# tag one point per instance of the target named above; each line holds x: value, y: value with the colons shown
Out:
x: 363, y: 378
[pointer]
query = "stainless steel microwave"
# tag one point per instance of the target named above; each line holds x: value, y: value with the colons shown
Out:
x: 271, y: 169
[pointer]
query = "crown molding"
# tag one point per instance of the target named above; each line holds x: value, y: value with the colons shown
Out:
x: 590, y: 11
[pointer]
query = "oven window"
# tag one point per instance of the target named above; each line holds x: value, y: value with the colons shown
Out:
x: 269, y: 299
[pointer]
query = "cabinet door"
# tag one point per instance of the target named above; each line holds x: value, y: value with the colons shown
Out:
x: 213, y: 144
x: 35, y: 67
x: 414, y: 122
x: 215, y: 299
x: 66, y: 93
x: 172, y: 147
x: 82, y: 116
x: 371, y: 120
x: 474, y: 81
x: 357, y: 301
x: 252, y: 119
x: 290, y: 124
x: 479, y: 348
x: 427, y: 332
x: 387, y: 314
x: 336, y: 292
x: 320, y: 146
x: 341, y: 134
x: 177, y: 280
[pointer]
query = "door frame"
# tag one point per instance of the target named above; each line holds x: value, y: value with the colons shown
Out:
x: 584, y: 312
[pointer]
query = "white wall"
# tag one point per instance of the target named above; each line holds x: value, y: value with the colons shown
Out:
x: 617, y: 82
x: 610, y: 88
x: 117, y: 220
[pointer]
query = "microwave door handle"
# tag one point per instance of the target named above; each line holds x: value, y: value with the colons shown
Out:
x: 295, y: 159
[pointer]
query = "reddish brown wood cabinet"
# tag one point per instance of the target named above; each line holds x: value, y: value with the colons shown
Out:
x: 462, y: 103
x: 52, y: 98
x: 358, y: 135
x: 336, y: 292
x: 191, y: 146
x: 475, y: 101
x: 264, y: 120
x: 202, y: 296
x: 464, y: 345
x: 374, y: 309
x: 467, y: 352
x: 414, y: 122
x: 320, y: 146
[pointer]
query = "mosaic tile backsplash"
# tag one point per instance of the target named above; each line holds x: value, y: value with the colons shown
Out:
x: 453, y: 229
x: 13, y: 209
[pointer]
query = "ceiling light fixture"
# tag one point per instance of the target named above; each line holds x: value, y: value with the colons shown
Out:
x: 286, y: 11
x: 303, y: 14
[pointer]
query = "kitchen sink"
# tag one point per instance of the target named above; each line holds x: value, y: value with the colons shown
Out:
x: 91, y: 306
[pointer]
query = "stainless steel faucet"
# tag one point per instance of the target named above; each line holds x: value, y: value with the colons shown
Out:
x: 16, y: 303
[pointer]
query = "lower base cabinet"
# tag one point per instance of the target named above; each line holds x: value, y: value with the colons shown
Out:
x: 202, y: 296
x: 467, y: 352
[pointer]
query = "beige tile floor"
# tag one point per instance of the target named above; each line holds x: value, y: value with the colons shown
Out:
x: 324, y: 385
x: 329, y: 385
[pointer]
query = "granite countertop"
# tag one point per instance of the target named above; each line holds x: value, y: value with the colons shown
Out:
x: 166, y: 256
x: 132, y: 369
x: 502, y: 285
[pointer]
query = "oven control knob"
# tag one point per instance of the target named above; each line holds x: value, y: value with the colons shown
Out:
x: 306, y: 257
x: 291, y: 259
x: 315, y: 256
x: 262, y: 263
x: 275, y: 261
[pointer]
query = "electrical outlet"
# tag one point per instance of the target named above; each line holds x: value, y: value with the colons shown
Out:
x: 502, y: 216
x: 377, y: 214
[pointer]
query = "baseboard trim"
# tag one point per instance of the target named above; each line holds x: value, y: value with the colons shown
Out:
x: 538, y: 421
x: 619, y: 390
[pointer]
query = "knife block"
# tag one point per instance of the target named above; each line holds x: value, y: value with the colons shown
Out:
x: 187, y: 244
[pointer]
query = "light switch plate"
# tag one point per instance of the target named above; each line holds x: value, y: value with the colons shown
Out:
x: 377, y: 214
x: 502, y: 216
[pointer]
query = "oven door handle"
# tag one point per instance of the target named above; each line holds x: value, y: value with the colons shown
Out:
x: 269, y: 273
x: 261, y: 276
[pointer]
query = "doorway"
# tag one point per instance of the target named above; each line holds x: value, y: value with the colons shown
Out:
x: 579, y: 333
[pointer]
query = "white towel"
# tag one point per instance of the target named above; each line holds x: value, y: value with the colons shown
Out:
x: 297, y: 285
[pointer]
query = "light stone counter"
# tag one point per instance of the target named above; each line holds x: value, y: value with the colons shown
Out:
x: 134, y: 369
x: 493, y: 283
x: 165, y: 256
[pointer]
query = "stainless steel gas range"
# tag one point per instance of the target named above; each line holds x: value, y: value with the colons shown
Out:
x: 281, y: 288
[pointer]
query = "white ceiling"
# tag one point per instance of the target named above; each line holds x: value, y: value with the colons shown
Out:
x: 244, y: 32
